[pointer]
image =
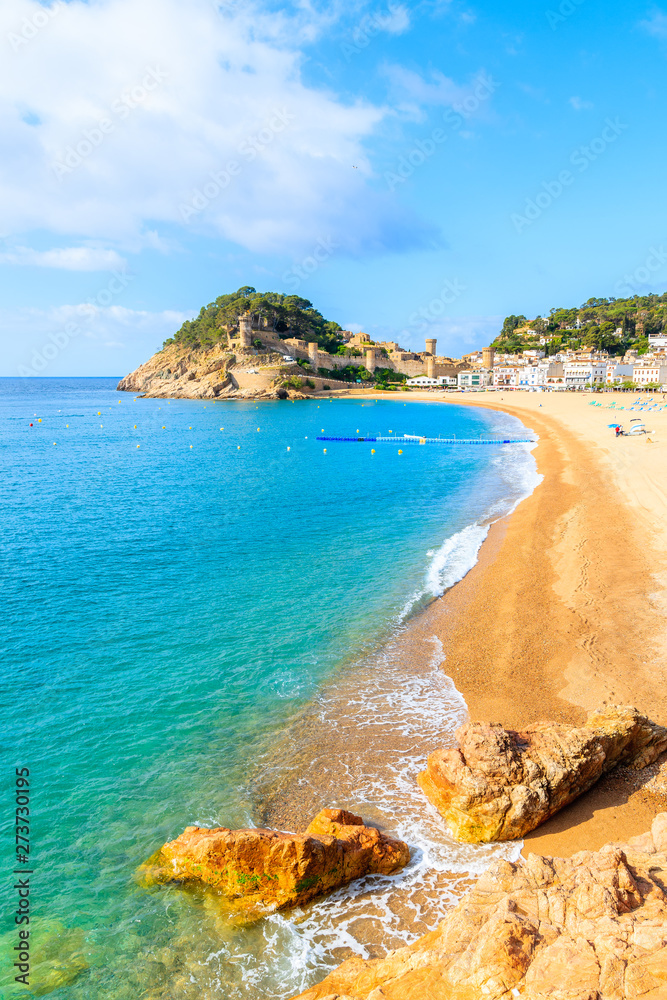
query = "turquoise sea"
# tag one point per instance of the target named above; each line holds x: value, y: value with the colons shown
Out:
x: 182, y: 583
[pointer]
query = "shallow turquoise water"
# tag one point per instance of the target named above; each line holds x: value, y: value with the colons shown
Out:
x: 169, y: 608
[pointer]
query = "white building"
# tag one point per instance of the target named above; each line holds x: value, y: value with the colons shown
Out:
x: 541, y: 374
x: 442, y: 381
x: 478, y: 378
x: 619, y: 373
x: 507, y: 375
x: 650, y: 374
x: 584, y: 374
x: 657, y: 340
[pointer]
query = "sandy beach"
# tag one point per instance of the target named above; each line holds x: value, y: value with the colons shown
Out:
x: 565, y: 609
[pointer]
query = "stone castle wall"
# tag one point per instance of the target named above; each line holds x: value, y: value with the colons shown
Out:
x: 404, y: 363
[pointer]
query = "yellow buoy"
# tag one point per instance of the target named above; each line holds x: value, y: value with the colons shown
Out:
x: 39, y: 421
x: 135, y: 427
x: 238, y: 447
x: 163, y: 427
x: 400, y: 452
x: 325, y: 451
x: 54, y: 442
x: 191, y: 446
x: 99, y: 413
x: 66, y: 425
x: 288, y: 447
x: 101, y: 425
x: 372, y: 451
x: 138, y: 446
x: 258, y: 428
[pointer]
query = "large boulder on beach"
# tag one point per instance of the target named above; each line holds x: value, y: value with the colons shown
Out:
x: 500, y: 784
x: 267, y: 870
x: 590, y: 927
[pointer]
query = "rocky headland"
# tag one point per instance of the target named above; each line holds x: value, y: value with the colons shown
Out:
x: 264, y: 870
x: 500, y: 784
x: 589, y: 927
x: 178, y: 371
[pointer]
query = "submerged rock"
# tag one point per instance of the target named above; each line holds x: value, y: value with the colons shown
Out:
x: 590, y: 927
x: 269, y: 870
x: 58, y: 955
x: 501, y: 784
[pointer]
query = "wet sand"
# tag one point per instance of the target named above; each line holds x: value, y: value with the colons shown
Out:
x: 565, y: 609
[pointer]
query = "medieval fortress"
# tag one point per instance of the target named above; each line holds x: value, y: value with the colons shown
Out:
x: 362, y: 351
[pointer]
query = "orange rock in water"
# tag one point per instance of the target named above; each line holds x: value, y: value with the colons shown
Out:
x: 590, y: 927
x: 271, y: 870
x: 501, y: 784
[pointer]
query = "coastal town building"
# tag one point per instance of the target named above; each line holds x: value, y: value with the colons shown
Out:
x: 442, y: 381
x: 582, y: 374
x: 506, y: 376
x: 476, y: 378
x: 618, y: 373
x: 651, y: 374
x: 541, y: 374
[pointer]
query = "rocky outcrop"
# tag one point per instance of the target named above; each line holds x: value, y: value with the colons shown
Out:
x: 590, y: 927
x: 217, y: 373
x: 501, y: 784
x: 266, y: 870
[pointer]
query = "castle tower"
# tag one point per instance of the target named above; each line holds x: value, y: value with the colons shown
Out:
x: 430, y: 365
x: 245, y: 330
x: 430, y: 345
x: 370, y: 359
x: 313, y: 353
x: 488, y: 357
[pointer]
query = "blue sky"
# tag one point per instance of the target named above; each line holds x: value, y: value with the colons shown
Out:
x: 412, y: 169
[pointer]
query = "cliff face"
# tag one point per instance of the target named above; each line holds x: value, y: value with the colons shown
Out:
x: 590, y: 927
x: 178, y: 371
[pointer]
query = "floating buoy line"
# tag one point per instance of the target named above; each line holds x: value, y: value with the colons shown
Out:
x: 416, y: 439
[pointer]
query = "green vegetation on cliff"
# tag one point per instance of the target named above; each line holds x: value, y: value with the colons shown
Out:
x: 282, y: 315
x: 613, y: 325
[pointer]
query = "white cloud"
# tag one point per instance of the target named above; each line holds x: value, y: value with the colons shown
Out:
x: 579, y: 105
x: 655, y: 24
x: 437, y: 89
x: 66, y: 258
x: 115, y: 114
x: 82, y: 339
x: 413, y: 92
x: 395, y: 22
